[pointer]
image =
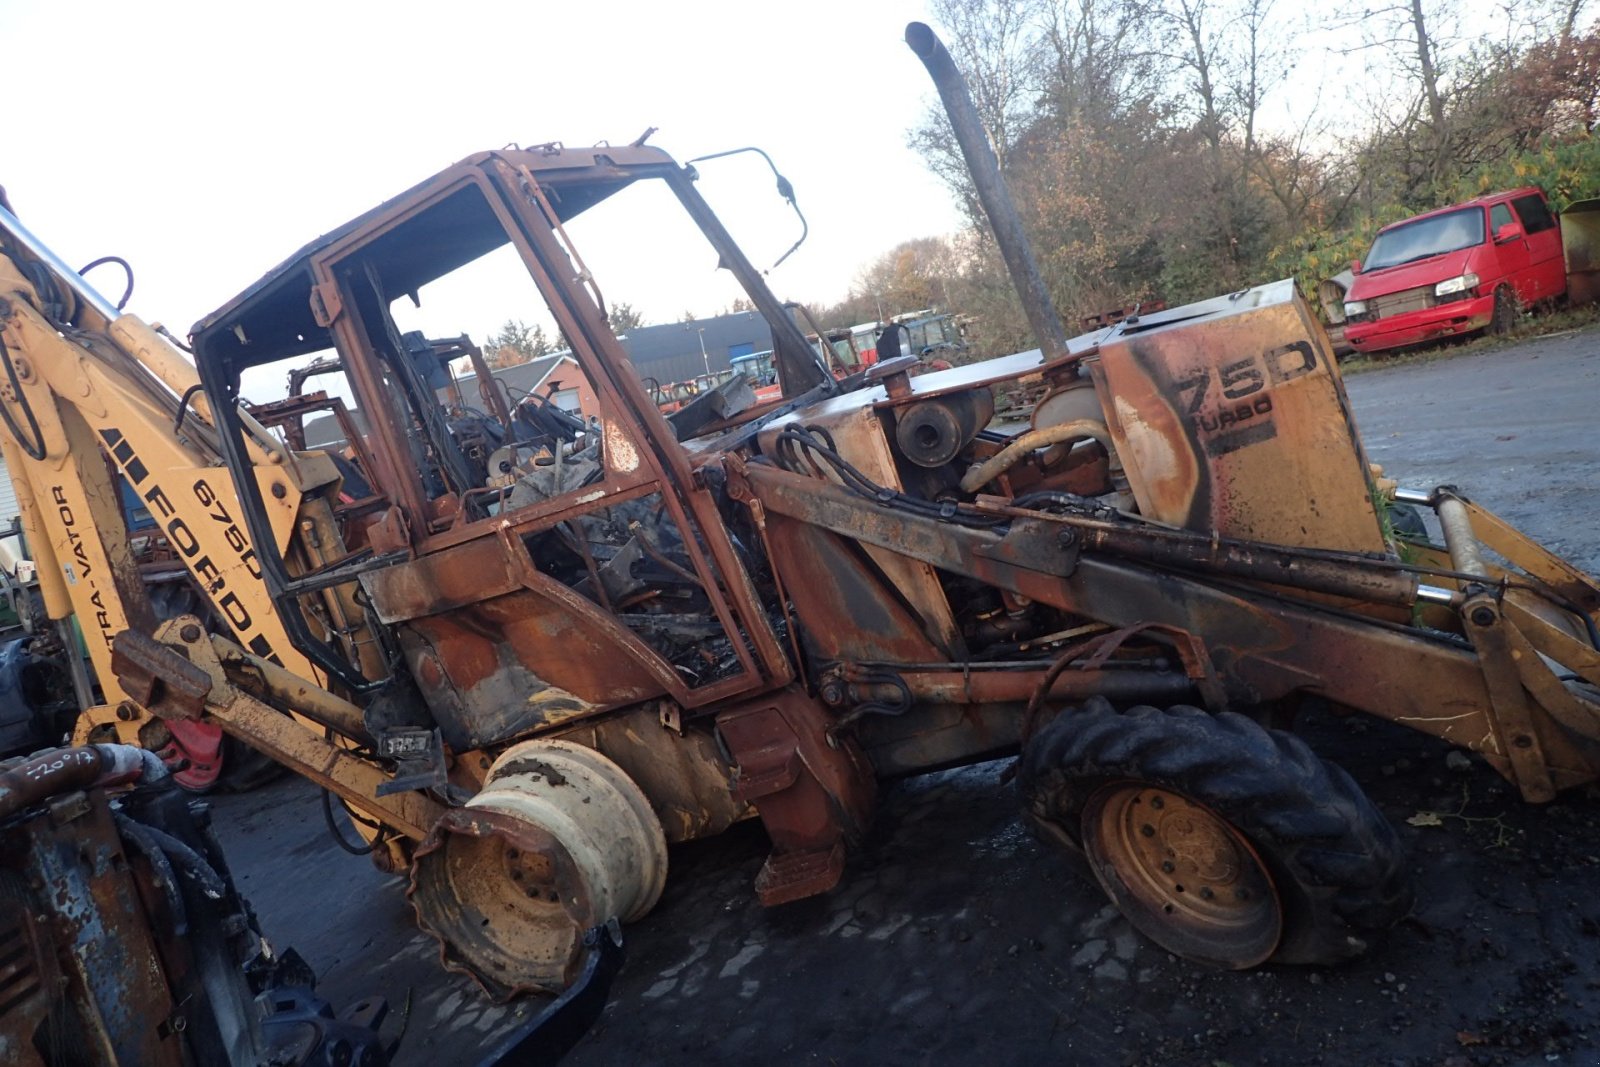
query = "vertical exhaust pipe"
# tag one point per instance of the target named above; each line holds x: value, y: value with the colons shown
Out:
x: 992, y: 191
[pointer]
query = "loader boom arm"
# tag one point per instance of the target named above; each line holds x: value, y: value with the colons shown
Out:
x: 93, y: 397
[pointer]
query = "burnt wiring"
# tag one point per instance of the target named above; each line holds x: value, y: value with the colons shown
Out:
x: 813, y: 443
x: 381, y: 832
x: 338, y: 835
x: 1047, y: 500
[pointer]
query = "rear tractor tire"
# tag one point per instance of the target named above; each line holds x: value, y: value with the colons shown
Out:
x: 1222, y: 841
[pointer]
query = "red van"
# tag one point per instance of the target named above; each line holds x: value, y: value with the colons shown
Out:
x: 1462, y: 268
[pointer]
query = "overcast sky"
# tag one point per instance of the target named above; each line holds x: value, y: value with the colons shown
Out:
x: 206, y: 142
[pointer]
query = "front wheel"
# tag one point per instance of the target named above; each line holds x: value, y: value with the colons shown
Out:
x: 1504, y: 317
x: 1223, y: 841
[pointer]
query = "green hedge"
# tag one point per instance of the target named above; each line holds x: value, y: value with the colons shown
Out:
x: 1567, y: 172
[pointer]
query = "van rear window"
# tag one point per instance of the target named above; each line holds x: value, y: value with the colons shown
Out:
x: 1535, y: 216
x: 1432, y: 236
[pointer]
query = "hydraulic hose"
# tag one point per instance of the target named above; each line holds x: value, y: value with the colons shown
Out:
x: 166, y: 879
x: 34, y: 445
x: 981, y: 474
x: 61, y: 770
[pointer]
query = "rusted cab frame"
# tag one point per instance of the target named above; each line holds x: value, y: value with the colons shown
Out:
x: 425, y: 562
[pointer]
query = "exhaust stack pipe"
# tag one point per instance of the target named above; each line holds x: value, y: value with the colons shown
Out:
x: 992, y: 191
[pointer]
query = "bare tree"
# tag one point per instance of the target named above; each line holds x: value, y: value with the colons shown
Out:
x: 995, y: 43
x: 1101, y: 64
x: 1418, y: 40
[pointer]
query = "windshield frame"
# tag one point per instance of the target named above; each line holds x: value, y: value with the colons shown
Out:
x: 1424, y: 238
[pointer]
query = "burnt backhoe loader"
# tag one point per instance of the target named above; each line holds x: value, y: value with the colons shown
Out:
x: 529, y: 649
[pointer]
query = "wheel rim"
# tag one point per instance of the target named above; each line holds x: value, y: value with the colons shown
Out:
x: 1182, y: 874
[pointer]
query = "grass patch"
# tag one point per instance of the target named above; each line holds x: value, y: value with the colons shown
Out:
x: 1529, y: 327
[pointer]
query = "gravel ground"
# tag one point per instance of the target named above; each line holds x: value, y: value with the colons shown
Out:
x: 955, y: 937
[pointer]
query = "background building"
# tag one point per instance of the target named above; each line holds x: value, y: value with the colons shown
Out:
x: 673, y: 352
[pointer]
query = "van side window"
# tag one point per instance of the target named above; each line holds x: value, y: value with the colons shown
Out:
x: 1535, y: 216
x: 1499, y: 215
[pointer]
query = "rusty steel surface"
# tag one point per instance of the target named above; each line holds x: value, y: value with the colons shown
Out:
x: 558, y: 841
x: 860, y: 433
x: 278, y: 735
x: 158, y: 677
x: 1236, y: 422
x: 1580, y: 242
x: 1227, y: 622
x: 28, y: 975
x: 1363, y: 580
x: 1273, y: 647
x: 818, y: 599
x: 682, y: 770
x: 866, y: 619
x: 58, y: 770
x: 272, y: 684
x: 814, y: 793
x: 1174, y: 866
x: 502, y: 896
x: 112, y: 989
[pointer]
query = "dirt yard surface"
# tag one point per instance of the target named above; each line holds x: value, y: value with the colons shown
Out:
x: 955, y: 937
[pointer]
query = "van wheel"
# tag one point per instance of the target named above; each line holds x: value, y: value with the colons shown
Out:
x: 1505, y: 312
x: 1222, y: 841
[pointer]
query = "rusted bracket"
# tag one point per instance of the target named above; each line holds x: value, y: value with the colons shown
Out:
x: 326, y: 303
x: 767, y: 751
x: 159, y: 677
x: 1035, y: 545
x: 1521, y: 551
x: 178, y: 674
x: 1533, y: 620
x: 811, y: 795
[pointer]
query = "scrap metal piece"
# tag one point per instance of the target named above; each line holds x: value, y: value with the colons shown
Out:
x: 714, y: 405
x: 551, y: 1034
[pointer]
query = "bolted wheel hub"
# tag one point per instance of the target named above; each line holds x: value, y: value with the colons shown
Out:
x: 560, y: 839
x: 1182, y: 874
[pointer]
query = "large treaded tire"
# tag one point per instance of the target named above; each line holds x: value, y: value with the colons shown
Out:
x: 1335, y: 861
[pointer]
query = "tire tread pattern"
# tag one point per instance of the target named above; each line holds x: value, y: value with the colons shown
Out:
x: 1337, y: 862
